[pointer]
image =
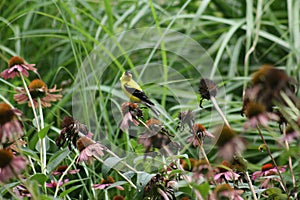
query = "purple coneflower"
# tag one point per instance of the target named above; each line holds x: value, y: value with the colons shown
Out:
x: 225, y: 173
x: 257, y: 115
x: 225, y: 191
x: 10, y: 126
x: 105, y: 183
x: 229, y: 142
x: 53, y: 184
x: 38, y: 89
x: 89, y: 149
x: 131, y: 113
x: 10, y: 165
x: 199, y: 134
x: 21, y: 191
x: 16, y: 65
x: 61, y: 169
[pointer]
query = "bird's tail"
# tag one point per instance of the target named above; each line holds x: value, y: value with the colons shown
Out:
x: 153, y: 108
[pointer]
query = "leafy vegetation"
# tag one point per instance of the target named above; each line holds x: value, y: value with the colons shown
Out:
x: 76, y: 136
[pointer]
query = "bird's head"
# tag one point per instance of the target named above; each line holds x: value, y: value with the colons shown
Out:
x: 126, y: 76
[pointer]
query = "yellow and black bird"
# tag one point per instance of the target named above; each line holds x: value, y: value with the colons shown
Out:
x: 134, y: 92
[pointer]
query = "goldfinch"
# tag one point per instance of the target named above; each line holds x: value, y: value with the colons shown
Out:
x: 134, y: 92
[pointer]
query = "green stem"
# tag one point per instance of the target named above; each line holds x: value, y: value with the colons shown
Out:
x: 273, y: 160
x: 62, y: 176
x: 31, y: 102
x: 215, y: 104
x: 43, y: 152
x: 250, y: 185
x: 290, y: 159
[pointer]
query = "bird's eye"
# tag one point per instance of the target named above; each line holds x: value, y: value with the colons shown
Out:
x: 128, y: 73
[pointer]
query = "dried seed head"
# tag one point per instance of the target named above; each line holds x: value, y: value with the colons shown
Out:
x: 207, y: 88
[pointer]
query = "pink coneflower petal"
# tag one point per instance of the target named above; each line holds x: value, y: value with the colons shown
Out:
x: 10, y: 165
x: 16, y: 66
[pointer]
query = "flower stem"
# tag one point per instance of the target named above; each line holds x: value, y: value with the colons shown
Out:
x: 184, y: 175
x: 273, y: 160
x: 250, y: 185
x: 113, y: 154
x: 290, y: 159
x: 31, y: 102
x: 200, y: 145
x: 215, y: 104
x: 62, y: 176
x: 42, y: 140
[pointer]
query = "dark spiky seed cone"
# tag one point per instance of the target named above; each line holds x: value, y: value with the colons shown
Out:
x: 207, y: 88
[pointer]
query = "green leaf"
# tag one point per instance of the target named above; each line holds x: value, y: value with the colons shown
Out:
x: 44, y: 131
x: 204, y: 189
x: 108, y: 164
x: 71, y: 189
x: 116, y: 184
x: 29, y: 152
x: 57, y: 158
x: 39, y: 177
x: 143, y: 179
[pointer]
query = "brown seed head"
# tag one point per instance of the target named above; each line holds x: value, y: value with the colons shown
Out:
x: 5, y: 158
x: 37, y: 88
x: 16, y: 60
x: 6, y: 113
x: 225, y: 135
x: 254, y: 109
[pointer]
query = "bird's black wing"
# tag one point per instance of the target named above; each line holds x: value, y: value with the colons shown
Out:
x: 139, y: 94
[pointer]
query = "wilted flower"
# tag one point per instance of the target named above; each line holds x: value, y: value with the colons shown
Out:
x: 199, y: 133
x: 257, y: 115
x: 200, y: 168
x: 156, y: 136
x: 70, y: 132
x: 89, y: 149
x: 10, y: 165
x: 186, y: 117
x: 225, y: 173
x: 131, y: 112
x: 229, y: 142
x: 61, y: 169
x: 21, y: 191
x: 225, y: 191
x: 38, y: 89
x: 207, y: 89
x: 160, y: 187
x: 53, y: 184
x: 267, y: 170
x: 272, y: 82
x: 10, y: 126
x: 16, y: 65
x: 105, y: 183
